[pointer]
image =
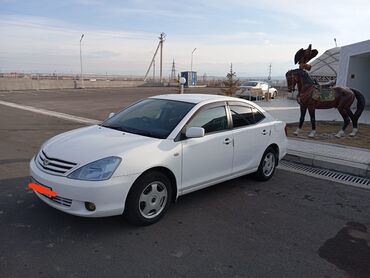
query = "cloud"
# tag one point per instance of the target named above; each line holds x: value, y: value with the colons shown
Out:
x: 42, y: 44
x: 39, y: 44
x: 346, y: 19
x: 157, y: 13
x: 251, y: 34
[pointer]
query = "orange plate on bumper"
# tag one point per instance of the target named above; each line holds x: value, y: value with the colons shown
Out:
x: 43, y: 190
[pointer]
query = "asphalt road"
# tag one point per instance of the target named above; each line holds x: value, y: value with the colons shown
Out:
x: 91, y: 103
x: 290, y: 226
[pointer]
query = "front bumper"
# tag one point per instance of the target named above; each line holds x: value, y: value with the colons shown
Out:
x: 109, y: 196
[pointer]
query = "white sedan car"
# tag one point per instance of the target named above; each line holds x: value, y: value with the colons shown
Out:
x: 256, y: 90
x: 139, y: 160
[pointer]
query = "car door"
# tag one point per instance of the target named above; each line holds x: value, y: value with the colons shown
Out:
x: 251, y: 136
x: 208, y: 158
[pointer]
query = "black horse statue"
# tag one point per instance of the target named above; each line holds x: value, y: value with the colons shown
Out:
x: 311, y: 97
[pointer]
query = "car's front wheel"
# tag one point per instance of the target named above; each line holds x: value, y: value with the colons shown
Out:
x: 148, y: 199
x: 267, y: 165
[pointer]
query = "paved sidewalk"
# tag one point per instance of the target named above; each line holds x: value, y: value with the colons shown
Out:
x: 355, y: 161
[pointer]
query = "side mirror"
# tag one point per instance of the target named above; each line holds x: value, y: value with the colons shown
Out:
x: 195, y: 132
x: 111, y: 115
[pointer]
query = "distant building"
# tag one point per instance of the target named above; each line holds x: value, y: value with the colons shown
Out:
x: 191, y: 78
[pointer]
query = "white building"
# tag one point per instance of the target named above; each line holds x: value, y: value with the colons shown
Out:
x: 325, y: 67
x: 349, y: 65
x: 354, y: 67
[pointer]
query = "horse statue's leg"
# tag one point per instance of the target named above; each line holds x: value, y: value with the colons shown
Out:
x: 346, y: 121
x: 311, y: 110
x: 340, y: 133
x: 354, y: 132
x: 361, y: 103
x: 354, y: 123
x: 301, y: 120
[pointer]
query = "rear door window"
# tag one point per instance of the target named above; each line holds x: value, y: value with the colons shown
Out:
x: 241, y: 115
x: 244, y: 115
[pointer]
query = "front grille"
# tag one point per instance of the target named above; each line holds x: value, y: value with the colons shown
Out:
x: 54, y: 165
x: 59, y: 200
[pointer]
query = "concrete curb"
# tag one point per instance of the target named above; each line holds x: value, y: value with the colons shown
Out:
x: 354, y: 161
x: 352, y: 168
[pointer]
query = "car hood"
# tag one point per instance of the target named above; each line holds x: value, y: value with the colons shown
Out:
x: 88, y: 144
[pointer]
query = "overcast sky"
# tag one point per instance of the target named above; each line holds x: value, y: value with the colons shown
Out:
x: 121, y: 36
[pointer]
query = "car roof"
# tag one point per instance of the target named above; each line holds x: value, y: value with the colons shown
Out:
x: 195, y: 98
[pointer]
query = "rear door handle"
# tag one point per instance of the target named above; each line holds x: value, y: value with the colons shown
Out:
x: 227, y: 141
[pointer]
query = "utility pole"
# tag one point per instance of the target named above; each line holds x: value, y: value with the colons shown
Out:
x: 335, y: 41
x: 267, y: 97
x: 161, y: 40
x: 190, y: 81
x: 269, y: 77
x: 153, y: 70
x: 82, y: 77
x: 191, y: 63
x: 160, y: 45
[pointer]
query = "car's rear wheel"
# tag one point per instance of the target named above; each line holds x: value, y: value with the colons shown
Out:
x: 149, y: 198
x: 267, y: 165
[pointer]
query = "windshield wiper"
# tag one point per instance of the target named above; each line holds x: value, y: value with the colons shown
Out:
x: 135, y: 131
x: 113, y: 127
x: 141, y: 132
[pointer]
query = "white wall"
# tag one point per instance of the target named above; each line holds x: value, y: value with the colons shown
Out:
x: 355, y: 59
x: 358, y: 75
x: 10, y: 84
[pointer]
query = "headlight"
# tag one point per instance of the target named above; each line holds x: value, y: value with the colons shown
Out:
x: 98, y: 170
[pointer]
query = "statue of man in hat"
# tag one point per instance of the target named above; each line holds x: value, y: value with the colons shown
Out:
x: 303, y: 56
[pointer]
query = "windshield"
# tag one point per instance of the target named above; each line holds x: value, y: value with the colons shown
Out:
x: 150, y: 117
x: 250, y: 83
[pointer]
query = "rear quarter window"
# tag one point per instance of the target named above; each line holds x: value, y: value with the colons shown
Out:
x: 258, y: 116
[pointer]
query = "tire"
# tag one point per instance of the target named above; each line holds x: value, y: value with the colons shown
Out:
x: 267, y: 166
x: 148, y: 199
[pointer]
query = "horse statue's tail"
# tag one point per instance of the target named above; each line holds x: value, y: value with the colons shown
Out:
x: 361, y: 102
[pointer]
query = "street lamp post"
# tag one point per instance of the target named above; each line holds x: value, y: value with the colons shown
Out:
x: 191, y: 68
x: 82, y: 77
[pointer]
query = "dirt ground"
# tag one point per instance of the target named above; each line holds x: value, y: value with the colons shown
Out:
x: 325, y: 132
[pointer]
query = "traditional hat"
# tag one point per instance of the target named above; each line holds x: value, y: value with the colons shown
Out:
x: 303, y: 56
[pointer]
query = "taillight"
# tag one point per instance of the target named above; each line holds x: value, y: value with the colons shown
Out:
x: 286, y: 131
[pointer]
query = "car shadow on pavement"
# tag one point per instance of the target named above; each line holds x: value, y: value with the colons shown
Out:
x: 21, y: 208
